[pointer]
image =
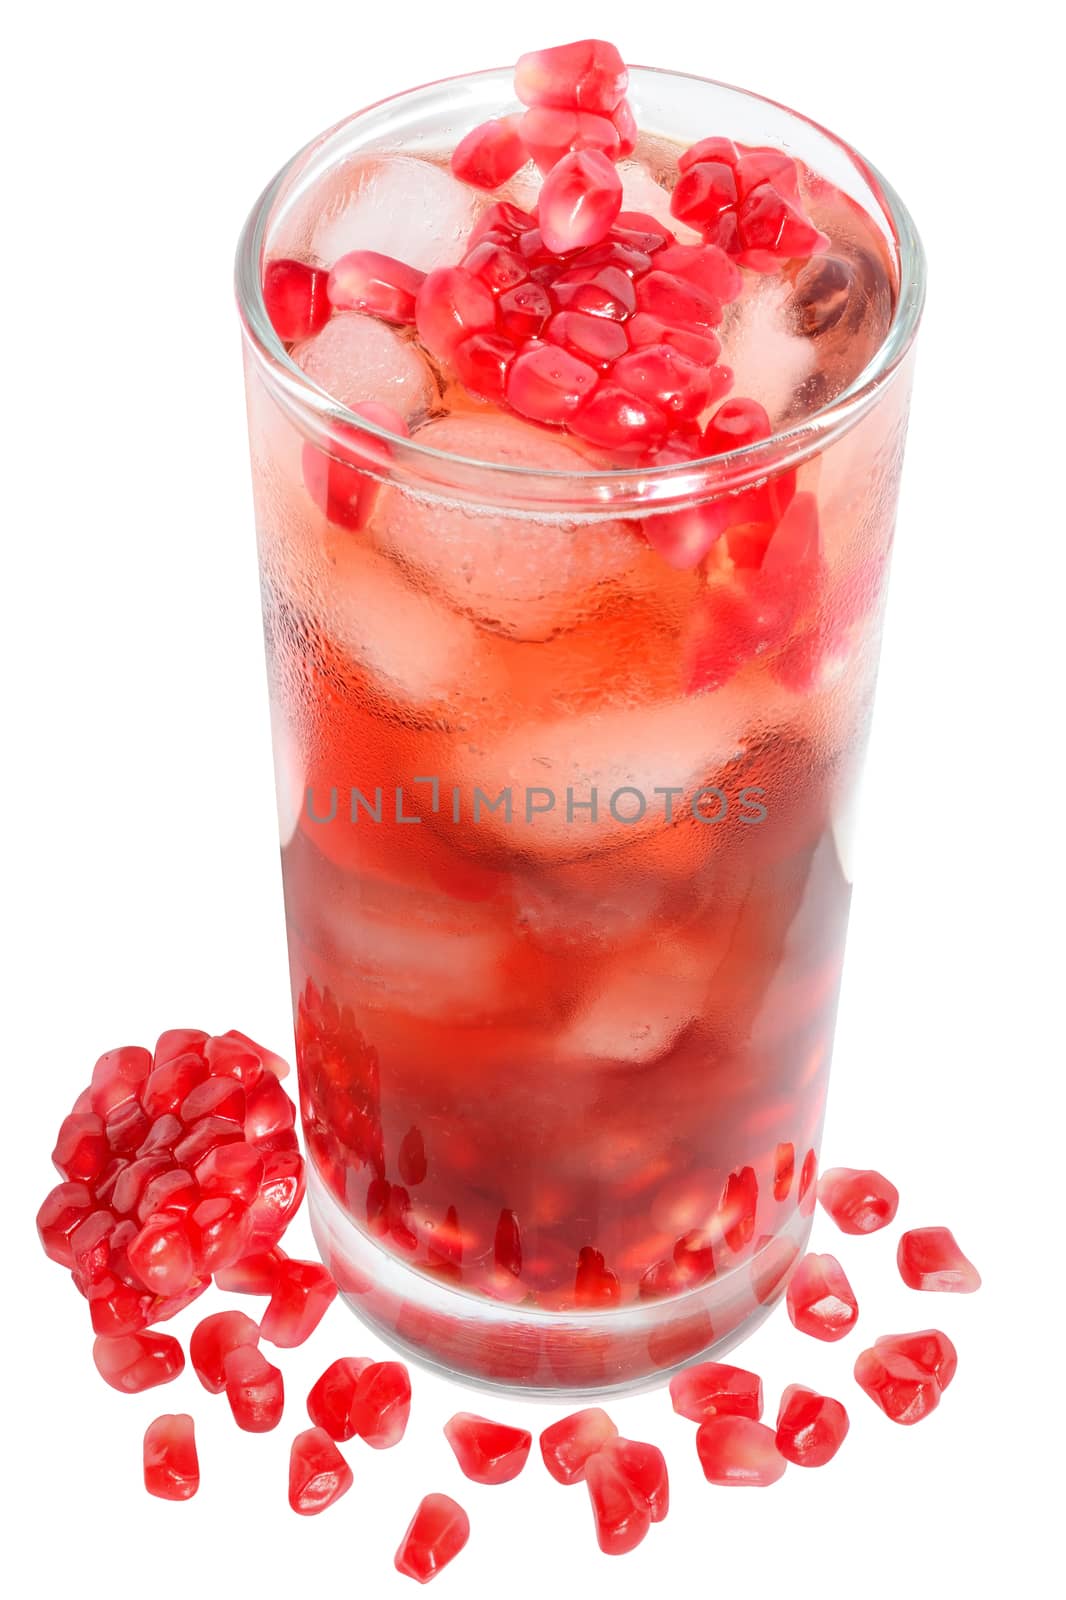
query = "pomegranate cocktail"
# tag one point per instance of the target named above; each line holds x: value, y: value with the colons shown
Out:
x: 576, y: 399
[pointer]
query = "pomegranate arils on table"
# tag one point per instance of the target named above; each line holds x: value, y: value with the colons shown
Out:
x: 738, y: 1453
x: 713, y: 1388
x: 302, y: 1294
x: 331, y: 1403
x: 297, y: 304
x: 382, y: 1404
x: 138, y: 1361
x: 435, y: 1535
x: 171, y: 1467
x: 810, y: 1427
x: 929, y: 1258
x: 858, y: 1199
x: 212, y: 1341
x: 820, y: 1299
x: 906, y: 1374
x: 490, y: 154
x: 318, y: 1473
x: 487, y: 1452
x: 255, y: 1389
x: 567, y: 1446
x: 365, y: 280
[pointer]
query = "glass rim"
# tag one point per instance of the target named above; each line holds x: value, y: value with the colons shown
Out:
x: 597, y: 487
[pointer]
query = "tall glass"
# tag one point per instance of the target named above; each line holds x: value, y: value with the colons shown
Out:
x: 563, y: 839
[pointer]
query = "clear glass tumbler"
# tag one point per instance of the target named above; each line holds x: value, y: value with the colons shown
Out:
x: 563, y: 823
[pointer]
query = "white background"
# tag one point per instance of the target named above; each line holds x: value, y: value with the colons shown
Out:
x: 142, y: 885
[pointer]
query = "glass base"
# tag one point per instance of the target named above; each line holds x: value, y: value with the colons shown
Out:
x: 547, y: 1353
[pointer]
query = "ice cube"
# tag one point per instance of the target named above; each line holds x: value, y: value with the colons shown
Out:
x: 770, y: 362
x: 357, y: 358
x: 400, y: 206
x: 641, y: 192
x: 520, y: 575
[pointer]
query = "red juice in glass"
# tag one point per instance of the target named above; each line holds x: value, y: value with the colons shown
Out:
x: 577, y: 401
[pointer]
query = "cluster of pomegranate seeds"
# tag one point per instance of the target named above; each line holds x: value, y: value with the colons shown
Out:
x: 820, y: 1299
x: 810, y: 1427
x: 487, y: 1452
x: 171, y: 1465
x: 177, y: 1164
x: 627, y: 1480
x: 318, y: 1473
x: 858, y: 1200
x: 435, y: 1535
x: 714, y: 1389
x: 929, y: 1258
x: 906, y: 1373
x: 746, y: 199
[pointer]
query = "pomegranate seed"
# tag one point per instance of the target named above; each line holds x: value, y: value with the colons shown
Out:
x: 715, y: 1389
x: 231, y: 1169
x: 549, y: 133
x: 736, y: 1213
x: 589, y: 74
x: 104, y: 1187
x: 597, y: 340
x: 548, y: 384
x: 171, y: 1467
x: 411, y: 1158
x: 269, y: 1110
x: 301, y: 1297
x: 338, y: 485
x: 598, y: 291
x: 90, y: 1246
x: 253, y: 1274
x: 255, y: 1389
x: 212, y: 1341
x: 382, y: 1404
x: 784, y: 1170
x: 704, y: 265
x: 502, y: 218
x: 708, y: 150
x: 905, y: 1374
x: 169, y: 1307
x: 625, y: 125
x: 641, y: 229
x: 169, y: 1084
x: 205, y: 1136
x: 318, y: 1473
x: 278, y: 1200
x: 810, y: 1427
x: 615, y: 252
x: 126, y: 1128
x: 677, y: 301
x: 566, y: 1446
x: 497, y: 266
x: 792, y: 555
x: 644, y: 1466
x: 738, y: 1453
x: 139, y: 1361
x: 117, y: 1077
x: 67, y: 1205
x: 771, y: 229
x: 668, y: 379
x: 221, y: 1229
x: 487, y: 1452
x: 162, y: 1136
x: 594, y: 1284
x: 81, y: 1151
x: 524, y: 311
x: 331, y: 1403
x: 703, y: 192
x: 733, y: 426
x: 858, y: 1200
x: 376, y: 284
x: 435, y: 1535
x: 490, y: 154
x: 134, y: 1179
x: 929, y: 1258
x: 619, y: 421
x: 228, y: 1052
x: 579, y: 200
x: 482, y: 363
x: 296, y: 300
x: 215, y: 1097
x: 452, y: 304
x: 703, y: 347
x: 629, y: 1489
x: 162, y: 1255
x: 820, y: 1299
x: 178, y: 1042
x: 758, y: 164
x: 175, y: 1190
x: 117, y: 1308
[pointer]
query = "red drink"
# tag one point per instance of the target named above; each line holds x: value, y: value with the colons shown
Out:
x: 573, y: 566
